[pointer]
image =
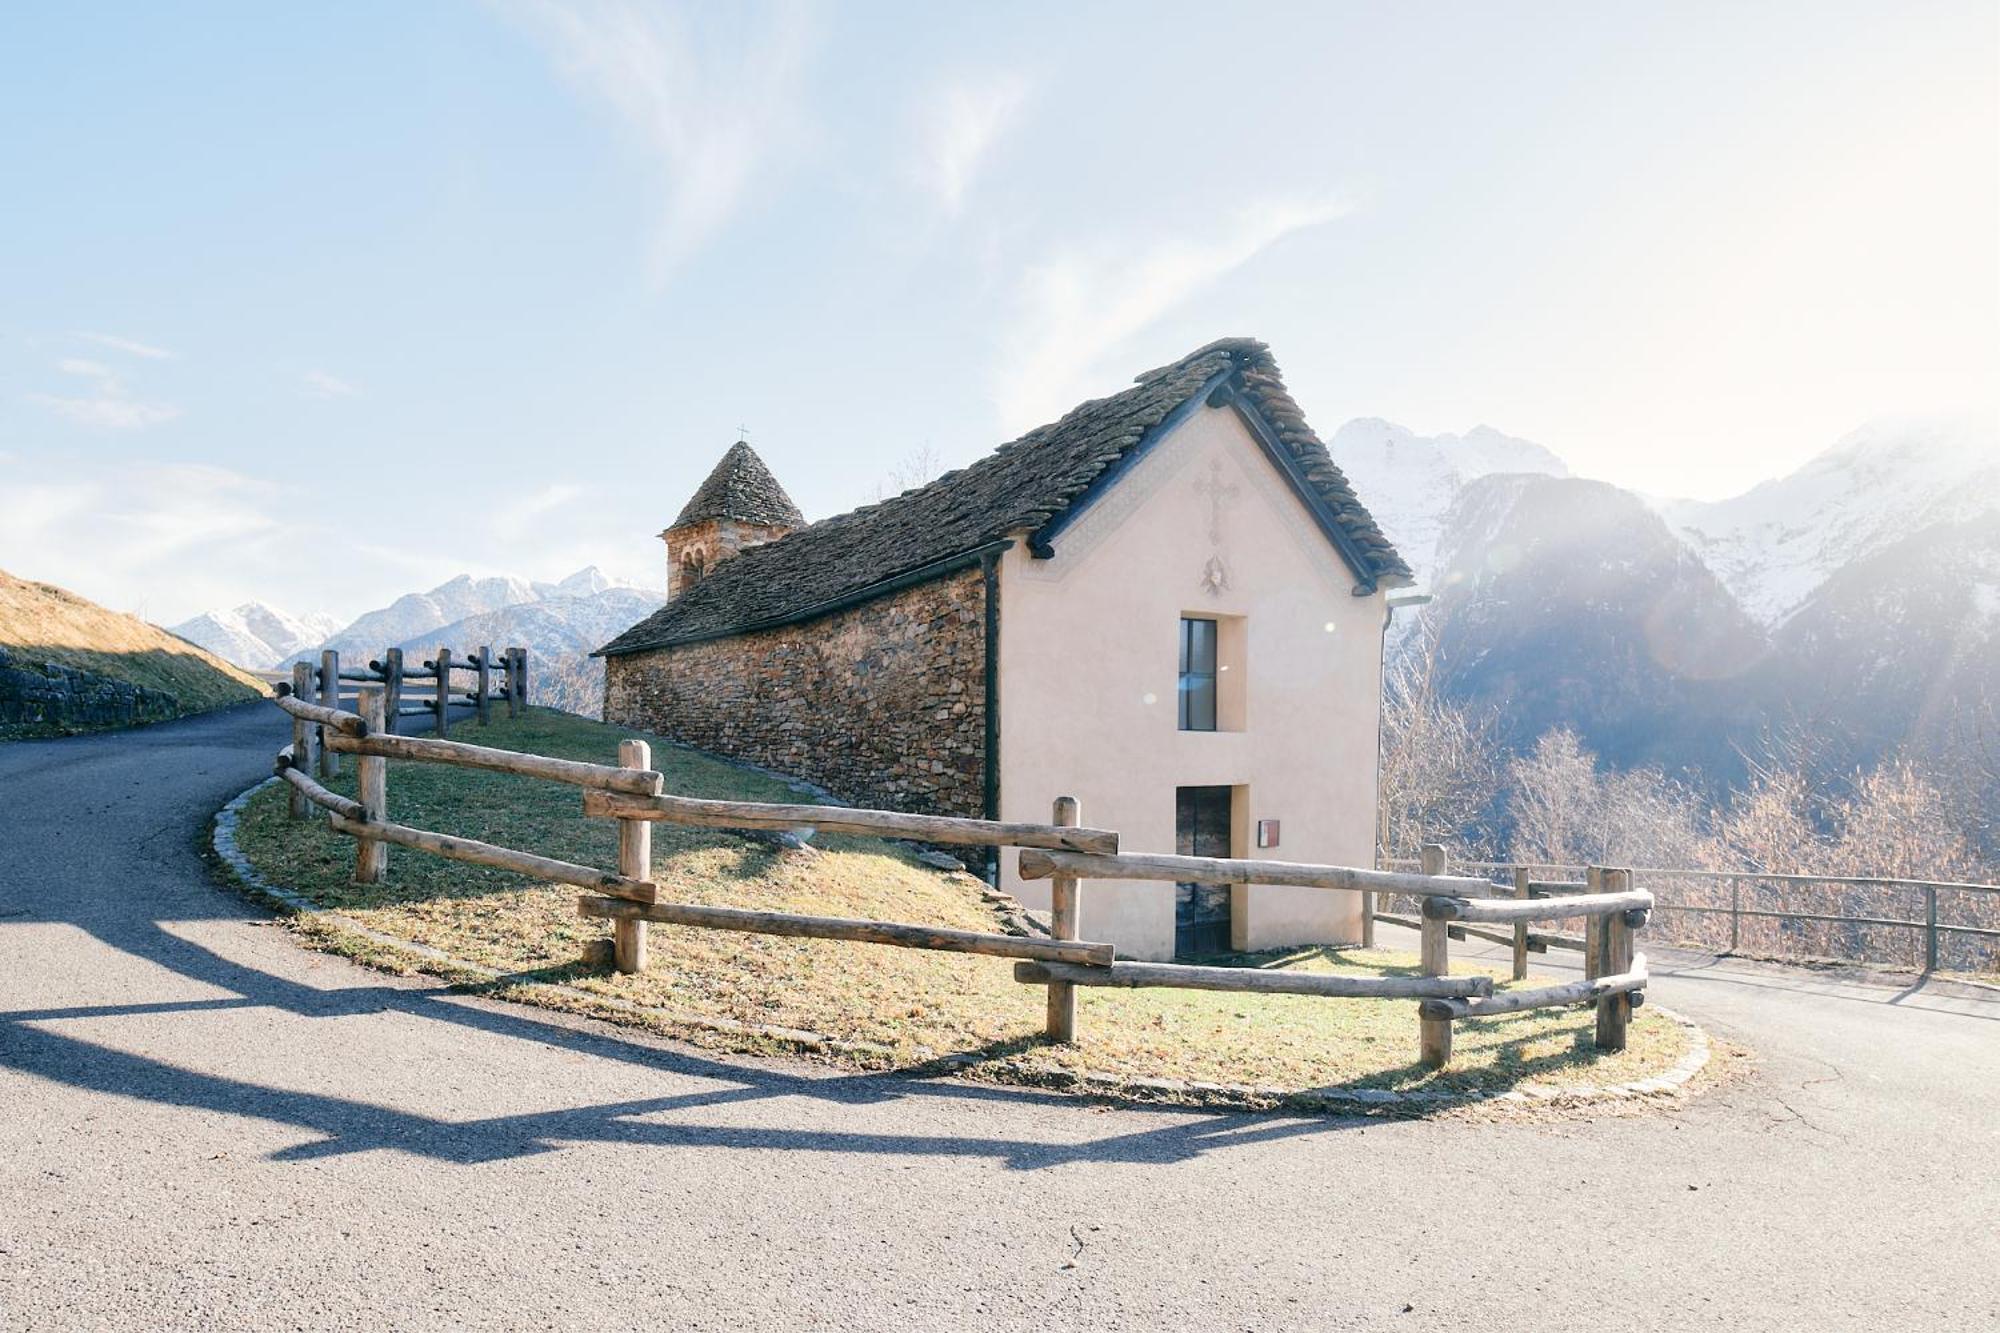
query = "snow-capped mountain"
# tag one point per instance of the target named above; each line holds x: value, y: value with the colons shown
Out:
x: 559, y: 632
x: 1409, y: 481
x: 1778, y: 542
x: 558, y: 623
x: 414, y: 613
x: 1562, y: 602
x: 254, y: 635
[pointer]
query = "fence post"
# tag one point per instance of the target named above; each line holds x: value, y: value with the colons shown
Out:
x: 1063, y: 925
x: 1520, y: 972
x: 329, y: 697
x: 1735, y: 913
x: 635, y: 861
x: 392, y: 688
x: 1614, y: 1012
x: 1930, y: 928
x: 441, y: 705
x: 507, y: 682
x: 302, y: 735
x: 1593, y: 927
x: 1434, y: 1034
x: 484, y: 664
x: 520, y: 676
x: 371, y: 855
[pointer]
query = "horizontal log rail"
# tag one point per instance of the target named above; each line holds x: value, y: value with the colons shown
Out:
x: 1222, y: 870
x: 1546, y: 997
x: 1536, y: 943
x: 687, y: 810
x: 429, y: 749
x: 345, y: 723
x: 1262, y: 981
x: 474, y: 852
x: 1496, y: 911
x: 408, y: 673
x: 1086, y: 956
x: 320, y: 796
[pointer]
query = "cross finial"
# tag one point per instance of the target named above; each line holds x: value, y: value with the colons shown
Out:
x: 743, y: 434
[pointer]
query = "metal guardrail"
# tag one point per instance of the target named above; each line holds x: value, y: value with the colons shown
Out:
x: 1930, y: 925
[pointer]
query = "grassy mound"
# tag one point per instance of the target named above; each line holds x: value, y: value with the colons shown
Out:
x: 898, y: 1008
x: 41, y: 623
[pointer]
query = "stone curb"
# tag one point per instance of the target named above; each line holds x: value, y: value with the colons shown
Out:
x: 1201, y: 1094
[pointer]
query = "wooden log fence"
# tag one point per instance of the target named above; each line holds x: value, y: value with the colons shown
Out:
x: 696, y: 813
x: 1092, y: 957
x: 1063, y: 851
x: 475, y: 852
x: 1252, y: 980
x: 1221, y: 870
x: 493, y: 679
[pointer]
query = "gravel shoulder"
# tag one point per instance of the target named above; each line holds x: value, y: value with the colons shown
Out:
x: 207, y: 1126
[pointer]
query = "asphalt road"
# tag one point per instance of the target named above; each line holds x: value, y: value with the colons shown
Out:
x: 203, y: 1126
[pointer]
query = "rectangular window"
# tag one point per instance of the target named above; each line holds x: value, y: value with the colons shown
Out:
x: 1197, y: 674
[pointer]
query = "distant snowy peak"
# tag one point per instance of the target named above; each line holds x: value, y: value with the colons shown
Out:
x: 1409, y: 481
x: 254, y: 635
x: 586, y: 582
x: 442, y: 613
x: 1776, y: 543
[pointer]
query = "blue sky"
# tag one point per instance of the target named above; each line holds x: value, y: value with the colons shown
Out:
x: 320, y: 305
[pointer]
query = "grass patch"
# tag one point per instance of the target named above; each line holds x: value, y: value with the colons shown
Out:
x: 40, y: 622
x: 890, y: 1008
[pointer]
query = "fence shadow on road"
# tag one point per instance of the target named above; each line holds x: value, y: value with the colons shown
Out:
x: 812, y: 1120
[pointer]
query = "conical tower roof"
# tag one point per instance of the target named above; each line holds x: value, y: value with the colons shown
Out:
x: 743, y: 489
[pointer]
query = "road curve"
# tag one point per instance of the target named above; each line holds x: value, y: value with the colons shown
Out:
x: 203, y: 1126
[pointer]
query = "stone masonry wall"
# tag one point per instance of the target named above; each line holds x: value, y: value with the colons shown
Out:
x: 883, y: 704
x: 43, y: 698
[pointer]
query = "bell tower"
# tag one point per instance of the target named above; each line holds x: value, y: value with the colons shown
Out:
x: 740, y: 505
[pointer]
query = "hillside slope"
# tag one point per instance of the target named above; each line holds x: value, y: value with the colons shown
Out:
x: 68, y: 664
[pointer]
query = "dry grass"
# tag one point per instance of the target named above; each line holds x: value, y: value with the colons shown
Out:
x: 894, y: 1008
x: 40, y: 622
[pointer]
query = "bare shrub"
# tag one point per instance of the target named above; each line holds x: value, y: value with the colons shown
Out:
x: 1440, y: 774
x: 1553, y: 802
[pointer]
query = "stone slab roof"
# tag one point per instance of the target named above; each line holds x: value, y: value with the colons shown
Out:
x: 743, y: 489
x: 1019, y: 487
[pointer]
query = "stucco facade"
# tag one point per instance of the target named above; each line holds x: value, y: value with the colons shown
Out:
x: 1089, y: 674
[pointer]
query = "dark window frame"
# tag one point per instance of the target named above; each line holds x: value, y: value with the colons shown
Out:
x: 1200, y: 685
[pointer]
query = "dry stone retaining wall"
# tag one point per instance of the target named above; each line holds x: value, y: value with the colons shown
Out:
x: 42, y: 698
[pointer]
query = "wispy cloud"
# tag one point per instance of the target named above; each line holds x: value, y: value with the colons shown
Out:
x: 1079, y: 304
x: 129, y: 346
x: 958, y: 126
x: 712, y: 96
x: 514, y: 518
x: 322, y: 384
x: 108, y: 404
x: 108, y: 530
